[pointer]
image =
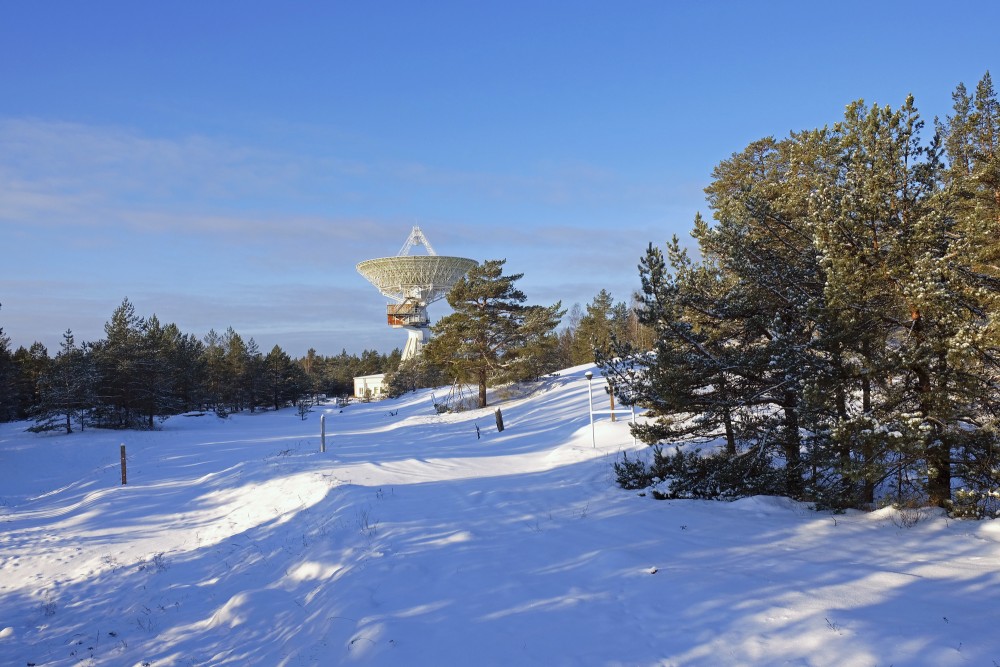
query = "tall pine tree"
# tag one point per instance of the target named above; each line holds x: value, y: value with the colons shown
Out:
x: 491, y: 335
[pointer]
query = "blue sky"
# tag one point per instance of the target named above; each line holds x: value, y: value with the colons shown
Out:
x: 228, y: 163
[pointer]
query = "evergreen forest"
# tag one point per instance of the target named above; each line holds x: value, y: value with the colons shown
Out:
x: 143, y: 370
x: 835, y: 336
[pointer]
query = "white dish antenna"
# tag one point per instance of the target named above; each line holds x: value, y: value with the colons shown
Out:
x: 413, y: 282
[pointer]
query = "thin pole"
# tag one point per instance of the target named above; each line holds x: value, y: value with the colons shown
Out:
x: 590, y: 396
x: 633, y: 424
x: 124, y: 477
x: 322, y: 433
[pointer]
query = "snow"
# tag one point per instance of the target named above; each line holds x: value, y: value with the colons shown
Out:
x: 412, y: 542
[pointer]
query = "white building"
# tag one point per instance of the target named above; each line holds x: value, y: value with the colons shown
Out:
x: 369, y: 386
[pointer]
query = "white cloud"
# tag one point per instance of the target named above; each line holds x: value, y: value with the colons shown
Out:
x: 209, y: 233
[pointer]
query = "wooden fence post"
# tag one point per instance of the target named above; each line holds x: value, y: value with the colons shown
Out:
x: 322, y: 433
x: 499, y: 420
x: 124, y: 476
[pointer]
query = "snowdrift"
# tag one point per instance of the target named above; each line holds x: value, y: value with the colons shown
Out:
x: 416, y: 540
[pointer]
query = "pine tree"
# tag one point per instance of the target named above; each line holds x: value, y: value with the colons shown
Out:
x: 490, y: 334
x: 414, y: 373
x: 594, y: 330
x: 286, y: 381
x: 116, y: 358
x: 138, y: 368
x: 32, y: 364
x: 216, y: 377
x: 8, y: 380
x: 763, y: 248
x: 254, y: 373
x: 235, y: 370
x: 185, y: 355
x: 156, y: 371
x: 844, y: 314
x: 686, y: 384
x: 863, y: 221
x: 971, y: 139
x: 66, y: 390
x: 537, y: 349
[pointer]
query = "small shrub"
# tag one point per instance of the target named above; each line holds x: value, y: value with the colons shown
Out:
x: 978, y: 469
x: 690, y: 474
x: 908, y: 517
x: 632, y: 473
x: 717, y: 476
x: 975, y: 504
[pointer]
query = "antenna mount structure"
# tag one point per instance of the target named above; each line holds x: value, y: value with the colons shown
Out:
x: 416, y: 237
x: 412, y: 282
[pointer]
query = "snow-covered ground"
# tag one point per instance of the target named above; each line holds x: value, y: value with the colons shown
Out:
x: 413, y: 542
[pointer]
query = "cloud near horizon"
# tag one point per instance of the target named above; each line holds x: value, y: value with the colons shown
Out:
x: 237, y: 234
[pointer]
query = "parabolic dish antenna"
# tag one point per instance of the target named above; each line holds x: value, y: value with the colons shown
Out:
x: 413, y: 282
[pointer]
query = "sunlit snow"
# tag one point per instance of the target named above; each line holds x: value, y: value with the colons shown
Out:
x: 412, y: 541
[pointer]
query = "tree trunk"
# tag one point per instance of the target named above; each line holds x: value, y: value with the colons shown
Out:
x: 867, y: 451
x: 845, y: 449
x: 939, y: 471
x: 791, y: 445
x: 482, y: 387
x: 937, y: 453
x: 727, y: 419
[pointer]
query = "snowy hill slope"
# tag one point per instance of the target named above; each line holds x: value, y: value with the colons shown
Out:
x: 412, y: 542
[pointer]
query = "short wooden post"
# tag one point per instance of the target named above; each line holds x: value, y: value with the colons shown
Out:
x: 124, y: 477
x: 499, y: 420
x: 611, y: 393
x: 322, y: 433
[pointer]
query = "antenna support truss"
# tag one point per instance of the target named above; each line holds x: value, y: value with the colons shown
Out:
x: 416, y: 238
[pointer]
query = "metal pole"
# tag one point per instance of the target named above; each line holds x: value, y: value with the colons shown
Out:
x: 633, y: 424
x: 590, y: 396
x: 322, y: 433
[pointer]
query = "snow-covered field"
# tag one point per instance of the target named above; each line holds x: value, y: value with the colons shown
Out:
x: 412, y: 542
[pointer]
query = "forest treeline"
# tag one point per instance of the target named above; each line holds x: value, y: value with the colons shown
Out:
x: 143, y: 370
x: 838, y: 331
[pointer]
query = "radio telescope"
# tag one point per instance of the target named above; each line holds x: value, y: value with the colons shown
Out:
x: 413, y: 282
